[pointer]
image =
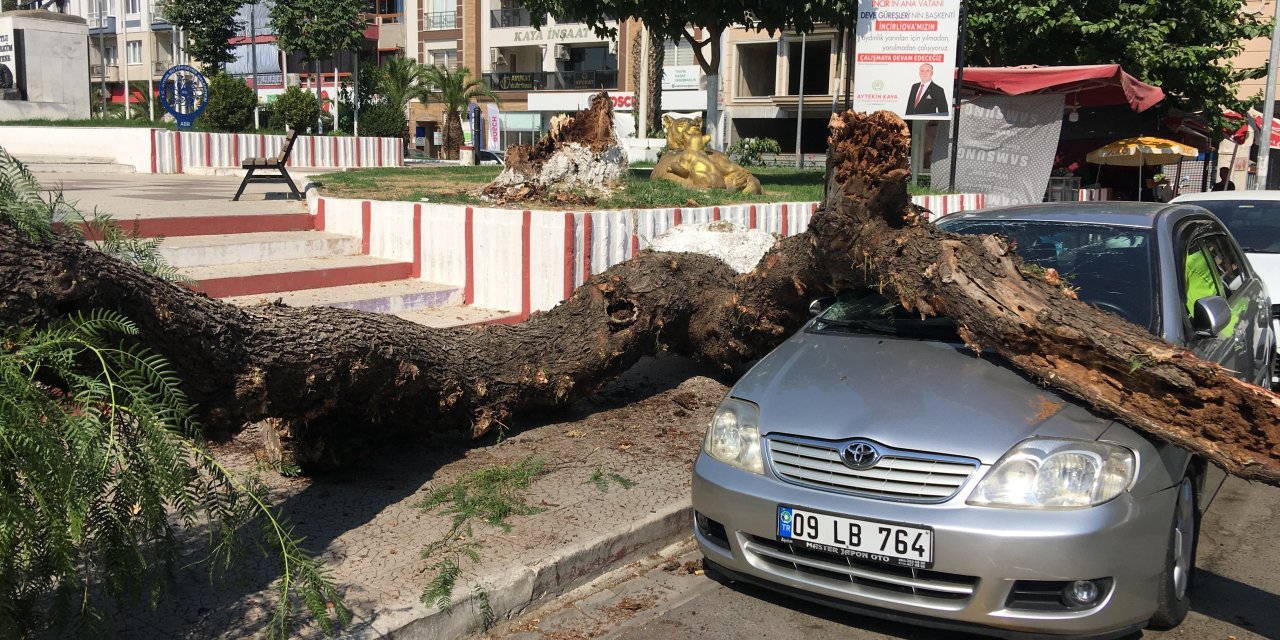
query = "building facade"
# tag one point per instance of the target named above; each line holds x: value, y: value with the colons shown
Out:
x: 130, y: 43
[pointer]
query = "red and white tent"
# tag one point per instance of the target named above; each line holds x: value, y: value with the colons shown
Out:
x: 1242, y: 134
x: 1093, y: 85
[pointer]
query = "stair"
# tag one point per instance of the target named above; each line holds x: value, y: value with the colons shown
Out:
x: 257, y: 259
x: 74, y: 164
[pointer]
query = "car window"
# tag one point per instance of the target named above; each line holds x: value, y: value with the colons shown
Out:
x: 1254, y: 224
x: 866, y: 311
x: 1109, y: 266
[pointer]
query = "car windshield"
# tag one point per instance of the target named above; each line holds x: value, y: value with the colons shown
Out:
x: 1109, y: 267
x: 1254, y: 223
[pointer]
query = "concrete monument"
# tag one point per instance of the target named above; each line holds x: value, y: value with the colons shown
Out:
x: 44, y: 65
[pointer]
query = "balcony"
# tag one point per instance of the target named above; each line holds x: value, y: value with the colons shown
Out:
x: 158, y: 21
x: 517, y: 17
x: 391, y: 34
x: 101, y: 24
x: 552, y: 80
x: 161, y: 66
x: 438, y: 20
x: 96, y: 71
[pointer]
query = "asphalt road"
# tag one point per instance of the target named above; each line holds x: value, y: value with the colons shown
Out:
x: 1237, y: 594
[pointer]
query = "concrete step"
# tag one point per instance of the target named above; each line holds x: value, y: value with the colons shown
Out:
x: 456, y: 316
x: 273, y: 276
x: 74, y: 164
x: 396, y: 296
x: 190, y: 224
x: 210, y: 250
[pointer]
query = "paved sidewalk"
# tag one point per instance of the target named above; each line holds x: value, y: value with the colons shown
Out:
x: 139, y: 195
x: 645, y: 428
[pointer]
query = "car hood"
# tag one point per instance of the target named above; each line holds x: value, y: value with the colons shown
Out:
x: 908, y: 394
x: 1268, y: 267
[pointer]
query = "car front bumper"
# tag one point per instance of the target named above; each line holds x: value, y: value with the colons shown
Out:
x: 979, y: 555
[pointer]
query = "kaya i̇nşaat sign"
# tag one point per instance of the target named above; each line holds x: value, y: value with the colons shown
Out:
x: 906, y: 57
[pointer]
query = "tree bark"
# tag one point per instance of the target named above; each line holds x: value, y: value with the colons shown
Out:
x: 333, y: 380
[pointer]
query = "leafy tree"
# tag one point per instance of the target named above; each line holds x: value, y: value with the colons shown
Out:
x: 700, y: 23
x: 209, y: 25
x: 383, y: 119
x: 319, y: 29
x: 1183, y: 46
x: 100, y: 459
x: 455, y: 89
x: 296, y: 109
x: 231, y: 103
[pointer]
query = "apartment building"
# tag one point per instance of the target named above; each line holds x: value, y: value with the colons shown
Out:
x: 130, y: 42
x: 763, y: 78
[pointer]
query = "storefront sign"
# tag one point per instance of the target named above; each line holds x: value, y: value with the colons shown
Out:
x: 1006, y: 148
x: 554, y: 34
x: 681, y: 77
x: 906, y: 60
x: 569, y: 102
x: 516, y: 81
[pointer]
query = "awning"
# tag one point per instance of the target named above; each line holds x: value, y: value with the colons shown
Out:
x: 1095, y: 85
x: 1241, y: 134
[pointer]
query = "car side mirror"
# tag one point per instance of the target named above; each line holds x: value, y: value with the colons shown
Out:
x: 1211, y: 316
x: 818, y: 306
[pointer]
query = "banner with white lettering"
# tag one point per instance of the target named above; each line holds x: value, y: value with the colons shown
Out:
x: 1006, y: 148
x: 906, y: 60
x: 492, y: 140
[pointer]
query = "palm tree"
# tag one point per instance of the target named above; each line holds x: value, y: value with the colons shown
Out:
x: 400, y: 81
x: 455, y: 89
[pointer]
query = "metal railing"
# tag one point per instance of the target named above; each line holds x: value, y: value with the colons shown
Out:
x: 437, y: 20
x: 96, y: 73
x: 157, y: 12
x: 517, y: 17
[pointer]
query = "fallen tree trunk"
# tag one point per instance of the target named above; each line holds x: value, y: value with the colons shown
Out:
x: 333, y: 379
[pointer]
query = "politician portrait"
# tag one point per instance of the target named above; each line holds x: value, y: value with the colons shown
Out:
x: 926, y: 98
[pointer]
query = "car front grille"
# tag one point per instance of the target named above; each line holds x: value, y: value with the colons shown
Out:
x: 907, y: 476
x: 864, y: 578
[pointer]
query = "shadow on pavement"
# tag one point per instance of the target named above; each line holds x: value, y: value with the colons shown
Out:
x: 1237, y: 603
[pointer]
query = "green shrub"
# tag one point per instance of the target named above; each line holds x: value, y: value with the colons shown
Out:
x: 230, y: 105
x: 748, y: 152
x: 382, y: 119
x: 296, y: 109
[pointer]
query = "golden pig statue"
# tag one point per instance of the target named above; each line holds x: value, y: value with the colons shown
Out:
x: 689, y: 162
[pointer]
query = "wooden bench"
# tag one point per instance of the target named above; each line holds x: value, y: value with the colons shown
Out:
x: 271, y: 164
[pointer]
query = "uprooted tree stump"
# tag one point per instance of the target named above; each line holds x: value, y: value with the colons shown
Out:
x: 334, y: 380
x: 579, y: 153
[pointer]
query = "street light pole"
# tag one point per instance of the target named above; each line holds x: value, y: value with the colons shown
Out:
x: 1263, y: 138
x: 804, y: 47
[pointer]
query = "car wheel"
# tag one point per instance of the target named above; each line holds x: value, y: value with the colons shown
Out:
x: 1173, y: 600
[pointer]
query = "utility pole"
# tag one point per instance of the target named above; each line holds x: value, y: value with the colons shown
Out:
x: 124, y: 19
x: 804, y: 48
x: 103, y: 21
x: 151, y: 86
x: 1263, y: 138
x: 253, y: 60
x: 642, y: 91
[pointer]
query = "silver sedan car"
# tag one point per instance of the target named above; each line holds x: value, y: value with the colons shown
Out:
x: 875, y: 463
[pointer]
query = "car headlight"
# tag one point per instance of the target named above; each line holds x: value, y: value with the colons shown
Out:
x: 734, y: 436
x: 1046, y: 473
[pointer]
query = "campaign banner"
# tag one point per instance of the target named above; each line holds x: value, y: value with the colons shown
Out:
x: 9, y: 81
x: 1005, y: 150
x: 906, y: 57
x: 492, y: 140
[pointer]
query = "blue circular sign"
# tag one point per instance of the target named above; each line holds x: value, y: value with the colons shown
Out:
x: 184, y: 93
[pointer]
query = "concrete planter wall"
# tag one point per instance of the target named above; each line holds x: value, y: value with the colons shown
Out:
x: 526, y: 261
x: 163, y: 151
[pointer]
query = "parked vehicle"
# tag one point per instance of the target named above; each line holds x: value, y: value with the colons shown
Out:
x: 875, y: 463
x: 1253, y: 217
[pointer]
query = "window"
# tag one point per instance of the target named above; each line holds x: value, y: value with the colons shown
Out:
x: 817, y: 67
x: 757, y: 69
x: 591, y: 59
x: 678, y: 53
x: 441, y: 14
x: 133, y: 52
x: 133, y: 6
x: 109, y: 55
x: 447, y: 58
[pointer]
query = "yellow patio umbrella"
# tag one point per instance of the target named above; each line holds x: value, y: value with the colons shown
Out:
x: 1140, y: 152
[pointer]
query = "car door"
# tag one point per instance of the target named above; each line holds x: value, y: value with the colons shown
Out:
x: 1211, y: 263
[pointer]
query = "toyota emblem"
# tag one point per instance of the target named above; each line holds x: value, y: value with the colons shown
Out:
x: 860, y: 455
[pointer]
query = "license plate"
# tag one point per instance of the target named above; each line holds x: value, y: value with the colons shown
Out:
x: 888, y: 542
